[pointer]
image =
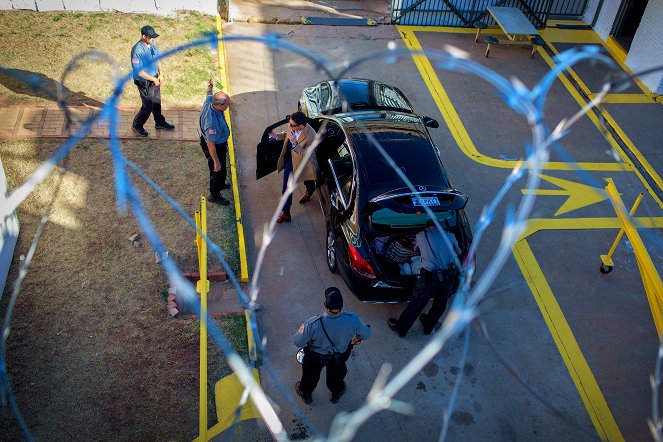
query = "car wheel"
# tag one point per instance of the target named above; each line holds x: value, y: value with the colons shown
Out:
x: 332, y: 262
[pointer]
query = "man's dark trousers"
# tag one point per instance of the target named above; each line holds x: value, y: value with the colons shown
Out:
x: 287, y: 171
x: 217, y: 180
x: 150, y: 96
x: 311, y: 368
x: 427, y: 286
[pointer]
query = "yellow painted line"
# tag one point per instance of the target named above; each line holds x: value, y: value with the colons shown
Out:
x: 537, y: 224
x: 456, y: 127
x: 243, y: 261
x: 580, y: 36
x: 568, y: 347
x: 202, y: 288
x: 626, y: 98
x: 253, y: 356
x: 615, y: 49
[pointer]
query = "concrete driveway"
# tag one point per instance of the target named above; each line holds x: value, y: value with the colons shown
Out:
x: 607, y: 319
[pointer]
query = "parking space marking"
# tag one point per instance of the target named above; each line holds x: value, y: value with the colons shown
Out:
x: 453, y: 121
x: 537, y: 224
x: 560, y: 330
x: 582, y: 375
x: 624, y: 98
x: 594, y: 118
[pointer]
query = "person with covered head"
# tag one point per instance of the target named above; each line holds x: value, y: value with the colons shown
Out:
x: 148, y: 78
x: 328, y: 339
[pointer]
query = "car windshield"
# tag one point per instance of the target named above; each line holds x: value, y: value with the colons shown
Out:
x: 412, y: 153
x: 360, y: 95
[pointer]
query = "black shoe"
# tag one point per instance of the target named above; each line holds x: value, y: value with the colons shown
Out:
x: 337, y: 396
x: 140, y: 131
x: 165, y: 126
x: 307, y: 399
x: 392, y: 326
x: 218, y: 199
x: 428, y: 329
x: 227, y: 185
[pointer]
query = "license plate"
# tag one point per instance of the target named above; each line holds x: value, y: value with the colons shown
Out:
x: 427, y: 201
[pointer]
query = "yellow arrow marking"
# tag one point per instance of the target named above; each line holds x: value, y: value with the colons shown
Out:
x: 579, y: 195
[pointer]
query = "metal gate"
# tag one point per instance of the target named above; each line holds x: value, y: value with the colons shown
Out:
x: 463, y: 13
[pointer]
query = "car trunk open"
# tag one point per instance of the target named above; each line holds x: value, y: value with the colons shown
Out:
x: 393, y: 220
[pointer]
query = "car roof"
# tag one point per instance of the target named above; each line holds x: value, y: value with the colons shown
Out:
x: 405, y: 140
x: 354, y: 94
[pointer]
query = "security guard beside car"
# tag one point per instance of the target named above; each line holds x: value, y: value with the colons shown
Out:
x: 328, y: 339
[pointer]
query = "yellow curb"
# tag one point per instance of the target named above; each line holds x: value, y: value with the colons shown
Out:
x: 243, y: 262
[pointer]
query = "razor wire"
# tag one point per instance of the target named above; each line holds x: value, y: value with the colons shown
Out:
x: 465, y: 307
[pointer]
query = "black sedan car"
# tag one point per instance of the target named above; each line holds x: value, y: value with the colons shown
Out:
x: 371, y: 214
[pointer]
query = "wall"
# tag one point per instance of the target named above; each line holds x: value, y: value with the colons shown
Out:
x: 647, y: 47
x: 590, y: 11
x: 161, y: 7
x: 606, y: 18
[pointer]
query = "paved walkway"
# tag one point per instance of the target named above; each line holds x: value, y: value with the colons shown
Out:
x: 49, y: 122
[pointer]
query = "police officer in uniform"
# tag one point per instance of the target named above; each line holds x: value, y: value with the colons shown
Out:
x: 148, y: 78
x: 328, y: 339
x: 214, y: 141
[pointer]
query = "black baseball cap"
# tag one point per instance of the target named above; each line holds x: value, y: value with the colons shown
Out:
x: 149, y: 31
x: 333, y: 299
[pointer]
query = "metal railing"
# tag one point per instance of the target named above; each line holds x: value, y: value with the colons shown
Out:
x: 463, y: 13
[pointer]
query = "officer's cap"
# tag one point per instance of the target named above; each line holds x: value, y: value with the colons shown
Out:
x: 333, y: 299
x: 149, y: 31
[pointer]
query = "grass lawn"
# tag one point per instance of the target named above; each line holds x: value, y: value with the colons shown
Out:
x: 92, y: 352
x: 43, y: 43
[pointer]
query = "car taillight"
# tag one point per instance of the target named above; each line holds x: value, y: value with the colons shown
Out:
x: 360, y: 265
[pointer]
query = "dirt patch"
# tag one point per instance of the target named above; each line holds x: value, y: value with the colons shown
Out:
x: 93, y: 353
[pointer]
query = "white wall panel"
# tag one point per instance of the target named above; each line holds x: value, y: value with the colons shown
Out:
x: 647, y: 47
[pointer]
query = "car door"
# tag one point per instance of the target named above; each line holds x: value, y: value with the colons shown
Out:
x: 268, y: 150
x: 342, y: 184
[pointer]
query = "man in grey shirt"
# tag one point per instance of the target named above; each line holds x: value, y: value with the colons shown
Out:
x: 328, y: 339
x: 438, y: 279
x: 214, y: 141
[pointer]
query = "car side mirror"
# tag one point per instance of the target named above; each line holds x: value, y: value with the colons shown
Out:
x: 430, y: 122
